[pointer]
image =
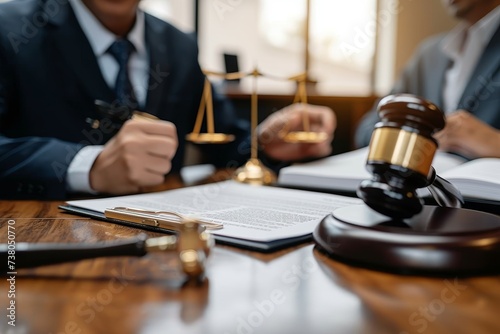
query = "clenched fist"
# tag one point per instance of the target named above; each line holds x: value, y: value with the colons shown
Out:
x: 138, y: 156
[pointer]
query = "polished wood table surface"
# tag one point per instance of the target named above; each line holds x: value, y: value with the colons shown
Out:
x: 296, y: 290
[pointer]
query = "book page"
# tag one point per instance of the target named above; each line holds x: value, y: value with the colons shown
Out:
x: 444, y: 161
x: 341, y: 172
x: 248, y: 212
x: 478, y: 178
x: 344, y: 172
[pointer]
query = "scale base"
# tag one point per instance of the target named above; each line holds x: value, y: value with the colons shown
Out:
x: 254, y: 172
x: 438, y: 241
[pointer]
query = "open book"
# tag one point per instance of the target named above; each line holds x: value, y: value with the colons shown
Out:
x: 476, y: 179
x: 256, y: 217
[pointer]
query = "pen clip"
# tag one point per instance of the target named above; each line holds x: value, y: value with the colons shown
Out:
x: 165, y: 219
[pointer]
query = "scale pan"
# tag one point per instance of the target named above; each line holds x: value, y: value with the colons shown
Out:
x: 305, y: 137
x: 209, y: 138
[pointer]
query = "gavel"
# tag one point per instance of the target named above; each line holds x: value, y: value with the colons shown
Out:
x: 395, y: 231
x: 400, y: 156
x: 191, y: 243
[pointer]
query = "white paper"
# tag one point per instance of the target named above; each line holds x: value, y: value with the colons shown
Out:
x: 248, y: 212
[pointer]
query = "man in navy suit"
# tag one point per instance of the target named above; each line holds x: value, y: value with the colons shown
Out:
x: 58, y: 56
x: 460, y: 72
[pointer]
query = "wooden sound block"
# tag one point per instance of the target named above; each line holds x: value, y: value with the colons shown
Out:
x: 438, y: 241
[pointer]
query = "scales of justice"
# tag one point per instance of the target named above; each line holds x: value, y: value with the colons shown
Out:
x: 254, y: 171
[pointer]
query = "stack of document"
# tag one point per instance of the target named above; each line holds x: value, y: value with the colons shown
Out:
x: 256, y: 217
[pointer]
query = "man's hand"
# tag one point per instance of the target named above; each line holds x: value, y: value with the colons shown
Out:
x: 465, y: 134
x: 271, y: 130
x: 138, y: 156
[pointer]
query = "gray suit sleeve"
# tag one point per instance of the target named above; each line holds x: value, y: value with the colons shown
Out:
x: 413, y: 80
x: 365, y: 126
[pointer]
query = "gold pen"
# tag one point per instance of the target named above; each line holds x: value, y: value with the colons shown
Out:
x: 164, y: 219
x: 116, y: 115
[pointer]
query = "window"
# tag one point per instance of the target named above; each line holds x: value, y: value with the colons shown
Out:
x: 341, y: 42
x: 270, y: 34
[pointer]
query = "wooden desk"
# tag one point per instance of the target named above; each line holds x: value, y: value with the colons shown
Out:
x: 298, y: 290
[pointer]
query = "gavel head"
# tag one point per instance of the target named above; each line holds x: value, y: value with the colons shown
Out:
x: 400, y: 155
x: 193, y: 245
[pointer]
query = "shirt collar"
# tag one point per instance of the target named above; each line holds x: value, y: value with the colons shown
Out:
x: 100, y: 38
x: 482, y: 31
x: 452, y: 43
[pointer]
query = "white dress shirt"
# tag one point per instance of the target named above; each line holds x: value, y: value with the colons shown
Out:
x: 100, y: 40
x: 465, y: 45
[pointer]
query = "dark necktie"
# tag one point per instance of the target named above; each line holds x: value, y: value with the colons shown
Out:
x: 121, y: 50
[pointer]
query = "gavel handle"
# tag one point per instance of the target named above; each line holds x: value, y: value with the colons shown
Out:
x: 444, y: 192
x: 29, y: 255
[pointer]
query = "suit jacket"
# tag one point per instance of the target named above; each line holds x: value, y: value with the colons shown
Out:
x: 424, y: 76
x: 49, y: 79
